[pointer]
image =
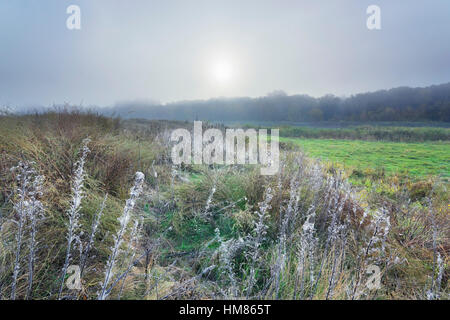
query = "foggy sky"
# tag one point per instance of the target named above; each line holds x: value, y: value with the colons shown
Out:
x: 164, y: 50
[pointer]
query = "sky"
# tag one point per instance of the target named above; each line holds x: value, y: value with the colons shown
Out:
x: 168, y: 50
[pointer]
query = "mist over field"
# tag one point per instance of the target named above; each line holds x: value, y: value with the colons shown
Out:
x: 168, y: 51
x: 224, y: 150
x: 399, y: 104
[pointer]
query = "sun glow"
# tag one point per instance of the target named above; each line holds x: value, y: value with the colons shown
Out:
x: 222, y: 71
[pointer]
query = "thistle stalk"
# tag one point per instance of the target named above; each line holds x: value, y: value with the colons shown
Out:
x: 21, y: 208
x: 34, y: 215
x: 74, y: 210
x: 135, y: 191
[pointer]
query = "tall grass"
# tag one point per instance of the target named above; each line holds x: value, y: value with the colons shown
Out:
x: 199, y: 231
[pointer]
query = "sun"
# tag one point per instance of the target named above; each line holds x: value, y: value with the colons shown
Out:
x: 222, y: 71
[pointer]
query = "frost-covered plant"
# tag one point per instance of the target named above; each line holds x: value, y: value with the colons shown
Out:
x: 227, y: 252
x: 292, y: 204
x: 440, y: 264
x: 338, y: 191
x: 20, y: 208
x: 308, y: 244
x: 34, y: 215
x: 27, y: 206
x: 74, y: 210
x: 256, y: 241
x: 209, y: 200
x: 333, y: 210
x: 133, y: 246
x: 434, y: 292
x: 135, y: 191
x: 173, y: 175
x: 339, y: 253
x: 374, y: 249
x: 381, y: 225
x: 278, y: 267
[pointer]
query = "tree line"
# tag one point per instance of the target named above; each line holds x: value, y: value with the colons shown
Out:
x: 398, y: 104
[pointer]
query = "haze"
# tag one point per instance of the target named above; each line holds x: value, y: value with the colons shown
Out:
x: 168, y: 51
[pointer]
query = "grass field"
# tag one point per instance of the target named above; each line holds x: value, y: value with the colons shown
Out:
x: 414, y: 159
x: 214, y: 232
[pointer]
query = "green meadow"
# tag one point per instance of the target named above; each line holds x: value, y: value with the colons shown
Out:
x: 417, y: 160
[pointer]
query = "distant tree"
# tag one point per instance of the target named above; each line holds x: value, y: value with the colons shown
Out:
x: 398, y: 104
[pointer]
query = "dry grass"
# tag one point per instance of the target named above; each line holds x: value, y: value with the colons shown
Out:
x: 194, y: 241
